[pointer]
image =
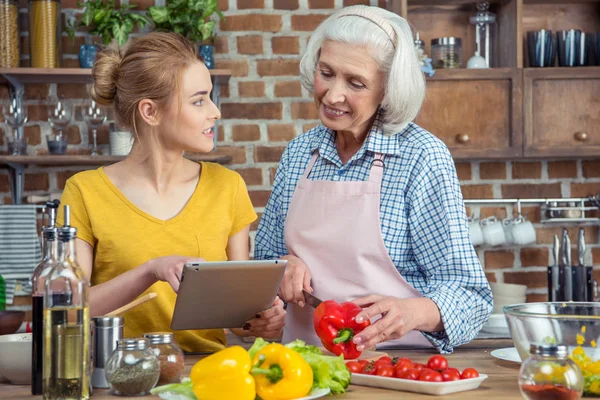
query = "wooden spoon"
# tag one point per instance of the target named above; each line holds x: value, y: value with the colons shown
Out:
x: 135, y: 303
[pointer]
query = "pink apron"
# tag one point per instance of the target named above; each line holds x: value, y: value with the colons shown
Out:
x: 334, y: 227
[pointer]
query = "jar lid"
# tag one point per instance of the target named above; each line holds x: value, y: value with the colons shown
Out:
x: 108, y: 322
x: 549, y: 350
x: 159, y: 337
x: 444, y: 41
x: 133, y: 344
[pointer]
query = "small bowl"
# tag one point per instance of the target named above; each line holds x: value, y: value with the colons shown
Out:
x: 508, y: 289
x: 15, y: 358
x: 10, y: 321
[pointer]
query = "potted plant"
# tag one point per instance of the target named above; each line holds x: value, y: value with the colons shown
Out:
x: 192, y: 19
x: 102, y: 19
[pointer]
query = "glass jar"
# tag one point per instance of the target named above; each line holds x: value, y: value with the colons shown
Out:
x: 9, y: 34
x: 170, y: 356
x: 548, y: 373
x: 133, y: 368
x: 44, y: 33
x: 446, y: 52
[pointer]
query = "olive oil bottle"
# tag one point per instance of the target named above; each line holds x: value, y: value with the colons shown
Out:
x: 66, y: 323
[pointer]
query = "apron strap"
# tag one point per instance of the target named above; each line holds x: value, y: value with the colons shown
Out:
x: 311, y: 163
x: 377, y: 166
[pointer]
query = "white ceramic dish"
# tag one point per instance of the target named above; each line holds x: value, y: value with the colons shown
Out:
x: 509, y: 354
x: 15, y: 358
x: 496, y: 324
x: 316, y: 393
x: 405, y: 385
x: 508, y: 289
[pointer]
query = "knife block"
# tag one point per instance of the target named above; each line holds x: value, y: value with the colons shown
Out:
x: 574, y: 283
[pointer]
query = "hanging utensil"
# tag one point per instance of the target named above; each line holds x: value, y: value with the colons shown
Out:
x: 581, y: 247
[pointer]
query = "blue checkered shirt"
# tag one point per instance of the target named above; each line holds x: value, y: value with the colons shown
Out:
x: 423, y: 219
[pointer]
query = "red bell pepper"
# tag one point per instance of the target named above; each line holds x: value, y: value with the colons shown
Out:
x: 335, y: 324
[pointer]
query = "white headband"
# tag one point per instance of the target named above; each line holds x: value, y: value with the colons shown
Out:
x: 364, y: 12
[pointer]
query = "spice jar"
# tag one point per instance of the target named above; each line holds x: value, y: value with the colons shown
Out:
x: 548, y: 373
x: 44, y: 33
x: 133, y: 368
x: 170, y: 356
x: 446, y: 52
x: 9, y: 33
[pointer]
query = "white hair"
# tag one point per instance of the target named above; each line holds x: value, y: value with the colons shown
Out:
x: 405, y: 83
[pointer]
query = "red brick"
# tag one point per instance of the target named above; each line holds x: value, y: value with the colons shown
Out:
x: 61, y: 178
x: 463, y: 170
x: 285, y: 45
x: 245, y: 133
x: 37, y: 91
x: 251, y: 22
x: 268, y: 154
x: 526, y: 170
x: 491, y: 276
x: 72, y: 91
x: 254, y: 225
x: 286, y: 4
x: 251, y: 111
x: 259, y: 198
x: 36, y: 181
x: 71, y: 46
x: 281, y: 132
x: 33, y: 135
x: 591, y: 169
x: 225, y: 91
x: 530, y: 191
x: 37, y: 113
x: 252, y: 176
x: 4, y: 183
x: 537, y: 297
x: 237, y: 67
x: 221, y: 134
x: 69, y: 63
x: 307, y: 23
x: 250, y: 44
x: 251, y: 89
x: 223, y: 5
x: 272, y: 173
x: 304, y: 110
x: 288, y: 89
x: 545, y: 234
x: 477, y: 191
x: 596, y: 255
x: 533, y: 214
x: 495, y: 259
x: 492, y: 170
x: 562, y: 169
x: 321, y: 4
x: 238, y: 154
x: 533, y: 279
x: 221, y: 45
x: 534, y: 257
x: 348, y: 3
x: 584, y: 189
x: 142, y: 4
x: 73, y: 134
x: 249, y: 4
x: 4, y: 92
x: 278, y: 67
x: 101, y: 137
x: 498, y: 212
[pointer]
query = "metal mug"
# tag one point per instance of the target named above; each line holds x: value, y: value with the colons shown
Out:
x: 108, y: 330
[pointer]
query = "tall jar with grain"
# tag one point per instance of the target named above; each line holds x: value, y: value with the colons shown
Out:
x: 9, y: 33
x: 44, y: 33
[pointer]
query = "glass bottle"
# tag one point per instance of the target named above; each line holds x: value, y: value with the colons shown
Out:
x: 170, y: 356
x: 38, y: 280
x: 485, y: 32
x: 548, y: 373
x: 133, y: 368
x: 44, y: 33
x: 66, y: 323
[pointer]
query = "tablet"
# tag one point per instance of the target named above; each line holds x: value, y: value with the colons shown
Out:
x: 215, y: 295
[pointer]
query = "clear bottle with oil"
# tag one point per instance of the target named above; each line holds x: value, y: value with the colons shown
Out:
x: 38, y: 280
x: 66, y: 323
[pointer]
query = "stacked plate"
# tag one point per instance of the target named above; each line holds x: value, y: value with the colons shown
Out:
x: 504, y: 294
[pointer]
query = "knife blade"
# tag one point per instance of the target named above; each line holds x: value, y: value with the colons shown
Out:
x: 581, y: 246
x: 568, y: 269
x: 311, y: 300
x: 556, y: 251
x: 563, y: 247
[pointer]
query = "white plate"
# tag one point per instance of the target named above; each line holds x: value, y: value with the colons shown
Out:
x: 497, y: 325
x: 509, y: 354
x: 436, y: 388
x: 316, y: 393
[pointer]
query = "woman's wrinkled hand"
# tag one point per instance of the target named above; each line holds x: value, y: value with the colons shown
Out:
x: 267, y: 324
x: 295, y: 279
x: 169, y: 269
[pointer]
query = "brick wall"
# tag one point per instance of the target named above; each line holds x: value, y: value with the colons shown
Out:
x: 264, y: 106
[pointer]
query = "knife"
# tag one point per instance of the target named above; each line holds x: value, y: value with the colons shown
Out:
x: 563, y: 247
x: 581, y: 246
x: 311, y: 300
x: 568, y: 269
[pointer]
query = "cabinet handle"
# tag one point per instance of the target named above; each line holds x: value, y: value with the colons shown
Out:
x: 464, y: 138
x: 581, y: 136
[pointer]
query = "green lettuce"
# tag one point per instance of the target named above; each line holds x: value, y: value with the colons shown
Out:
x: 175, y: 391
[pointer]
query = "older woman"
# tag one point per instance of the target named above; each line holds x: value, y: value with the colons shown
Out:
x: 367, y: 206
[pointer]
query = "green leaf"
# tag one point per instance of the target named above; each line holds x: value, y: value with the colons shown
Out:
x: 88, y: 17
x: 158, y: 14
x: 207, y: 29
x: 100, y: 16
x: 121, y: 33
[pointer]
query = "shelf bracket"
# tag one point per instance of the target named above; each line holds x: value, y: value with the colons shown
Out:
x: 17, y: 182
x: 216, y: 98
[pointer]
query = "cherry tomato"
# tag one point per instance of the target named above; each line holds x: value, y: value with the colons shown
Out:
x: 369, y: 369
x: 412, y: 374
x: 383, y: 361
x: 404, y: 359
x: 402, y: 366
x: 469, y: 373
x: 385, y: 370
x: 418, y: 366
x: 429, y: 375
x: 354, y: 367
x: 437, y: 363
x: 450, y: 374
x: 362, y: 363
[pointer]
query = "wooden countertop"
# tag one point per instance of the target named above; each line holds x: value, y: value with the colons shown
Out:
x: 500, y: 384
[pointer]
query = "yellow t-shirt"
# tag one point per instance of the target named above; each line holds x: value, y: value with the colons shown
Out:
x: 124, y: 237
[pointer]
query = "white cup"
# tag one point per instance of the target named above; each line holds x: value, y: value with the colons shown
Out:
x: 475, y: 232
x: 523, y: 232
x: 493, y: 233
x: 508, y: 225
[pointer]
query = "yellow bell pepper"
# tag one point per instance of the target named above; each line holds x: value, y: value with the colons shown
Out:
x: 224, y: 375
x: 281, y: 373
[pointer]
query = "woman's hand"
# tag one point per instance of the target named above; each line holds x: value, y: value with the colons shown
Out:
x: 267, y: 324
x: 399, y: 316
x: 169, y: 269
x: 296, y: 277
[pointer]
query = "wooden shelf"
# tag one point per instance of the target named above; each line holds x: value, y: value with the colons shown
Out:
x: 75, y: 75
x: 471, y: 74
x: 95, y: 160
x: 449, y: 2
